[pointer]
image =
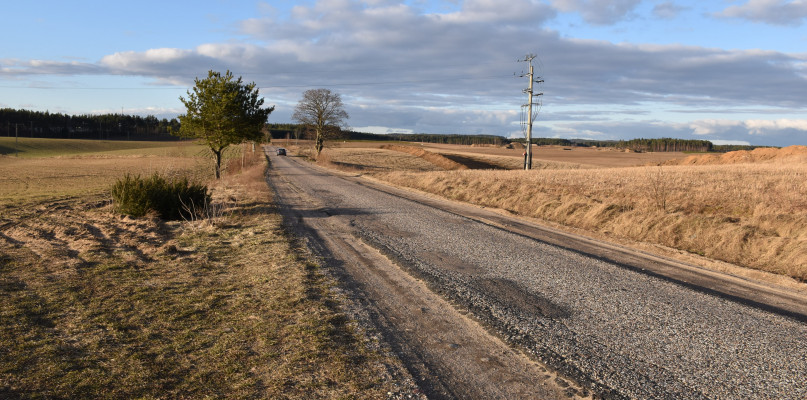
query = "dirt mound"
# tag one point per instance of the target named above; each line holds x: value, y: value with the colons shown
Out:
x: 434, y: 158
x: 785, y: 154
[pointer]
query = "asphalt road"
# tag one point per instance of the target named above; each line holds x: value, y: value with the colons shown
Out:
x: 609, y: 326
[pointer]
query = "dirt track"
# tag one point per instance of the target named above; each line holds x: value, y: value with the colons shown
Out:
x: 618, y: 332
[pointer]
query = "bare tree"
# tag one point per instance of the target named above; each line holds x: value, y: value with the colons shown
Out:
x: 322, y: 113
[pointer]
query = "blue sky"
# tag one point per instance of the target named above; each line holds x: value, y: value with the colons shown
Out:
x: 726, y: 71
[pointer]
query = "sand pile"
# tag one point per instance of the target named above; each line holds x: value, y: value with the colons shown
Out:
x: 761, y: 155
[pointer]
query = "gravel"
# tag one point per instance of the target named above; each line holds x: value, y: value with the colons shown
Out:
x: 621, y: 333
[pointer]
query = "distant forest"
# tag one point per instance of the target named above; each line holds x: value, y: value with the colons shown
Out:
x: 295, y: 131
x: 24, y: 123
x: 291, y: 131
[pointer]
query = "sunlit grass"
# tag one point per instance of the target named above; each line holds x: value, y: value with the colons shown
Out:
x: 38, y: 147
x: 751, y: 213
x: 63, y: 168
x: 95, y: 305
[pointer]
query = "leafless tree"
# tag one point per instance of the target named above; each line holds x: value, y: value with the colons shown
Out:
x: 322, y: 113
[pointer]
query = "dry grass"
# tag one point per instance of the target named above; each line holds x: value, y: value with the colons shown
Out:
x: 48, y: 176
x: 374, y: 160
x: 434, y: 158
x: 375, y: 157
x: 754, y: 215
x: 558, y: 156
x: 96, y: 305
x: 37, y: 147
x: 792, y: 154
x: 359, y: 158
x: 29, y: 179
x: 744, y: 208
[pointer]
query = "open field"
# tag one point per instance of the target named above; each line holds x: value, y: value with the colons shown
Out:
x: 98, y: 305
x: 751, y: 214
x: 493, y: 157
x: 36, y: 147
x: 585, y: 157
x: 43, y: 173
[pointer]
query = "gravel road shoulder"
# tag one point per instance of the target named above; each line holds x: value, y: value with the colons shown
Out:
x: 600, y: 316
x: 448, y: 353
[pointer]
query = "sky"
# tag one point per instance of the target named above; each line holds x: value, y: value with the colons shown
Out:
x: 732, y: 72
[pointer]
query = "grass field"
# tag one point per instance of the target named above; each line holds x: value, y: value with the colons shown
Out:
x: 747, y: 209
x: 99, y: 305
x: 66, y: 168
x: 36, y: 147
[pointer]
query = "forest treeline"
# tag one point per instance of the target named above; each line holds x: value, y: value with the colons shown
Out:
x: 25, y: 123
x: 291, y: 131
x: 295, y: 131
x: 667, y: 144
x: 40, y: 124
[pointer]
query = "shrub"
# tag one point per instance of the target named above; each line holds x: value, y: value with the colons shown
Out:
x: 171, y: 200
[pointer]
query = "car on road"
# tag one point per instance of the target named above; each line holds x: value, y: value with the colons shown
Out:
x: 281, y: 151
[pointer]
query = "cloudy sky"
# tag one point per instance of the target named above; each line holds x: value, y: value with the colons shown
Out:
x: 726, y: 71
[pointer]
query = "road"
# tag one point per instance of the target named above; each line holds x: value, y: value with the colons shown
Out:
x: 456, y: 290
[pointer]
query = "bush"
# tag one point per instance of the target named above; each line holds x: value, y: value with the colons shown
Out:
x: 171, y: 200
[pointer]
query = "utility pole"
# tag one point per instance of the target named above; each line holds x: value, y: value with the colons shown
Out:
x: 530, y: 94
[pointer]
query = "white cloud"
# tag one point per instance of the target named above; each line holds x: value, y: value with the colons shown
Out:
x: 400, y: 67
x: 752, y: 126
x: 599, y: 12
x: 667, y: 10
x: 730, y: 142
x: 381, y: 130
x: 713, y: 126
x: 762, y: 127
x: 15, y: 68
x: 163, y: 64
x: 781, y: 132
x: 493, y: 11
x: 394, y: 52
x: 775, y: 12
x: 159, y: 112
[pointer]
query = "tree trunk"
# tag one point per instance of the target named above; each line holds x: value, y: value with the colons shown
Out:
x: 320, y: 143
x: 218, y: 163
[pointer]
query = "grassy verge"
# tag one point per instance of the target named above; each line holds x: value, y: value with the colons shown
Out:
x: 96, y: 305
x: 752, y: 215
x: 751, y: 212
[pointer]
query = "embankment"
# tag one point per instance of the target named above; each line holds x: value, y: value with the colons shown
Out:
x: 752, y: 214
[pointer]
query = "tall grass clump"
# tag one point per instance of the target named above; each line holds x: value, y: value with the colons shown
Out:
x: 171, y: 199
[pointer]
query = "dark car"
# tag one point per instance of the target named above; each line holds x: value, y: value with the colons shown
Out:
x: 281, y: 152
